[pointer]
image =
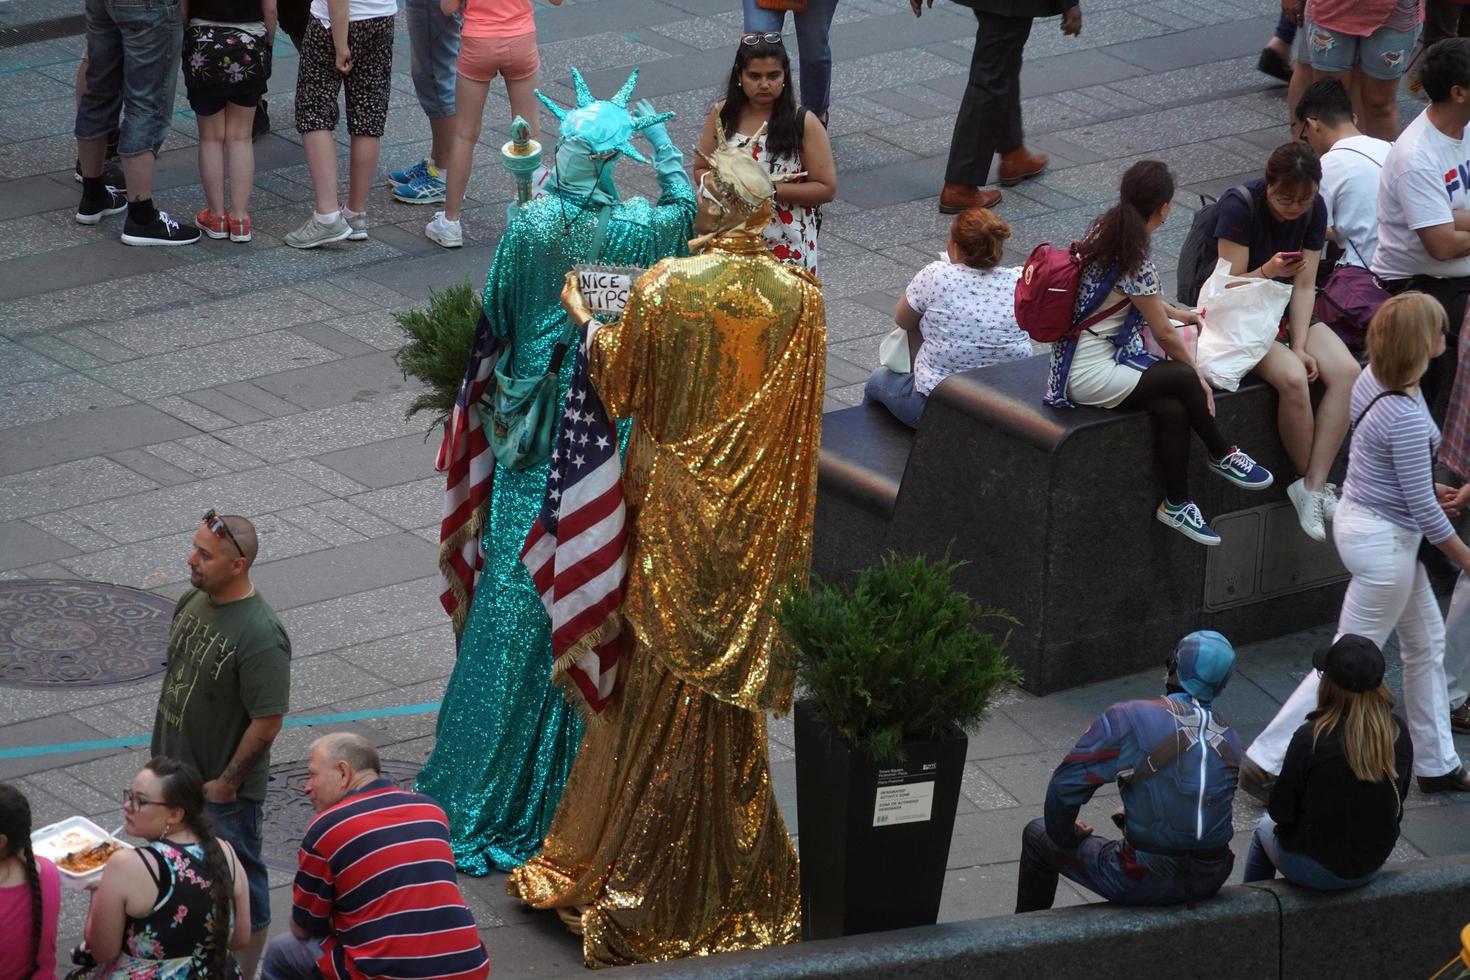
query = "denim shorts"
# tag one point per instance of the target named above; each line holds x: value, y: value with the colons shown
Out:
x: 434, y: 48
x: 239, y: 822
x: 133, y: 50
x: 1383, y: 55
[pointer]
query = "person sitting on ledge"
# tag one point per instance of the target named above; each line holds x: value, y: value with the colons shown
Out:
x: 1175, y: 761
x: 1335, y: 810
x: 959, y: 313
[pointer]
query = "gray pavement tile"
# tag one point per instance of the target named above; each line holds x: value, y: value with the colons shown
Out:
x: 533, y: 943
x: 847, y: 396
x: 339, y: 521
x: 259, y: 268
x: 212, y: 364
x: 46, y: 312
x: 344, y: 570
x: 49, y: 488
x: 34, y: 234
x: 842, y: 372
x: 386, y: 463
x: 932, y: 105
x: 878, y: 71
x: 83, y: 539
x: 318, y: 475
x: 705, y: 33
x: 195, y: 416
x: 189, y: 326
x: 364, y: 617
x: 260, y: 399
x: 408, y: 505
x: 155, y: 469
x: 1184, y: 49
x: 1000, y: 736
x: 101, y: 259
x: 76, y: 436
x: 231, y: 409
x: 332, y: 339
x: 1436, y: 831
x: 38, y: 401
x: 20, y: 87
x: 423, y: 655
x: 990, y: 890
x: 59, y: 351
x: 851, y: 321
x: 205, y: 455
x: 46, y: 730
x: 325, y: 430
x: 863, y: 274
x: 983, y: 792
x: 375, y: 328
x: 23, y: 544
x: 351, y: 379
x: 1097, y: 183
x: 1167, y: 128
x: 144, y: 516
x: 598, y: 52
x: 1201, y: 82
x: 893, y: 184
x: 325, y: 679
x: 863, y: 152
x: 414, y: 277
x: 100, y: 348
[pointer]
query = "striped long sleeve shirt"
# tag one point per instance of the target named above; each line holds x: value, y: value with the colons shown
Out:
x: 375, y: 881
x: 1391, y: 459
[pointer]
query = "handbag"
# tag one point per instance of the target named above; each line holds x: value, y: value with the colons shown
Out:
x: 1245, y: 315
x: 520, y: 423
x: 218, y: 58
x: 893, y: 351
x: 1349, y: 300
x: 796, y: 6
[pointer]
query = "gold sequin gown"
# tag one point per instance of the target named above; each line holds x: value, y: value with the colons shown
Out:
x: 668, y: 832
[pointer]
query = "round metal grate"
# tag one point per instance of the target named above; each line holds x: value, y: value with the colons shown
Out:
x: 288, y: 811
x: 71, y: 633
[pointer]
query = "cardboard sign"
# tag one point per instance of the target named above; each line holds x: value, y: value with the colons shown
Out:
x: 606, y: 287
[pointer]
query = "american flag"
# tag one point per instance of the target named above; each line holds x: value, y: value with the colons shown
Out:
x: 577, y: 549
x: 466, y: 457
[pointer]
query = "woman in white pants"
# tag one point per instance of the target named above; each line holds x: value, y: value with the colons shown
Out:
x: 1390, y: 502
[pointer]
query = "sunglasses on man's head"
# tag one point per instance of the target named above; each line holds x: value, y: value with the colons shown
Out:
x: 217, y: 524
x: 770, y: 37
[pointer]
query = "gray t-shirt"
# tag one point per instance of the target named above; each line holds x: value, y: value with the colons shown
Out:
x: 227, y: 664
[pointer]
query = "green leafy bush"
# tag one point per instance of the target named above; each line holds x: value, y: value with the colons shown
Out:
x: 898, y: 656
x: 439, y: 341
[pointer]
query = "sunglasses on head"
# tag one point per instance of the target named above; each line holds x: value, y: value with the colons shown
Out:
x: 770, y: 37
x: 217, y: 524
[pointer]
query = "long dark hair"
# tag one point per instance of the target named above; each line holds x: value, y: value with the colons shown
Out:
x: 15, y: 824
x: 183, y: 787
x: 783, y: 132
x: 1120, y: 234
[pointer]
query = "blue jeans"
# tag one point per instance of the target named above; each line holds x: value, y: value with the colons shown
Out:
x: 434, y: 50
x: 289, y: 958
x: 239, y: 822
x: 814, y: 53
x: 133, y: 51
x: 1267, y: 856
x: 896, y: 393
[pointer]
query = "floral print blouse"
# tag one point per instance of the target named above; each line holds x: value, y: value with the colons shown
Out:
x: 792, y: 233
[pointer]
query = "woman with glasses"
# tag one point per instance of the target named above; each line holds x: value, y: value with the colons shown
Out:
x: 813, y: 24
x: 1390, y: 505
x: 1279, y: 234
x: 175, y: 907
x: 793, y: 141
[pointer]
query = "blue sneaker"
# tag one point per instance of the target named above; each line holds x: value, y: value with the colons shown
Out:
x: 1242, y: 471
x: 427, y: 189
x: 408, y: 174
x: 1188, y: 521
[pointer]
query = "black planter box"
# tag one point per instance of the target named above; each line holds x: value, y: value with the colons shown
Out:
x: 871, y: 863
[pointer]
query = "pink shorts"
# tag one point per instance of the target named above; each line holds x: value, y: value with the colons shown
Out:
x: 482, y: 58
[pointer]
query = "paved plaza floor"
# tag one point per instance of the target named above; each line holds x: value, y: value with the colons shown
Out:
x: 140, y: 387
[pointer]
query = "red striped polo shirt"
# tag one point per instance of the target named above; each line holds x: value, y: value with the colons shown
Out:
x: 376, y: 882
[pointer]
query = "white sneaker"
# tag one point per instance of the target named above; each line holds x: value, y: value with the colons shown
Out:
x: 314, y: 234
x: 1308, y: 506
x: 1330, y: 501
x: 444, y: 232
x: 359, y: 225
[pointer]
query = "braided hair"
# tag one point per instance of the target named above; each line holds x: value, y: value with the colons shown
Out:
x: 183, y: 787
x: 15, y: 824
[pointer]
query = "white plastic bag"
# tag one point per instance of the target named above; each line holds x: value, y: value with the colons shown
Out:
x: 893, y: 351
x: 1244, y: 316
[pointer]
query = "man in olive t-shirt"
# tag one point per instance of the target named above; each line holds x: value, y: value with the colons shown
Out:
x: 224, y: 695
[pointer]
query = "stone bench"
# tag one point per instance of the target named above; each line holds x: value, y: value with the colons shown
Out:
x: 1053, y: 510
x: 1406, y: 923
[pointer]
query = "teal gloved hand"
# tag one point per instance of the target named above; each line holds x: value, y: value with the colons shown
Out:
x: 657, y: 134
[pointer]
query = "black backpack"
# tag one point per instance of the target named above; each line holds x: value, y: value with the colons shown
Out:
x: 1201, y: 249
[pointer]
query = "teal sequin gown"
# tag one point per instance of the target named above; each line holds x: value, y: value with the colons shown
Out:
x: 506, y: 735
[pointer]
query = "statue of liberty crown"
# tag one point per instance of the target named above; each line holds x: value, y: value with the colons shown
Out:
x: 606, y: 126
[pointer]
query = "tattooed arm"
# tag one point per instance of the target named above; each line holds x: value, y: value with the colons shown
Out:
x: 252, y: 748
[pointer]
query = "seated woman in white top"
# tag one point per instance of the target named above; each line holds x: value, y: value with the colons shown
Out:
x: 959, y: 314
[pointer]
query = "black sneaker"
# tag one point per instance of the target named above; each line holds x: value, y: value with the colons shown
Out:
x: 262, y: 122
x: 91, y: 212
x: 163, y: 230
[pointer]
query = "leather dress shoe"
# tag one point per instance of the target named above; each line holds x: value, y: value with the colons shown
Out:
x: 1020, y: 164
x: 1457, y: 780
x: 955, y: 198
x: 1460, y: 718
x: 1255, y: 780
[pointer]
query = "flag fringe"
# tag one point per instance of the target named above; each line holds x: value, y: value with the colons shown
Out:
x: 453, y: 545
x: 561, y: 665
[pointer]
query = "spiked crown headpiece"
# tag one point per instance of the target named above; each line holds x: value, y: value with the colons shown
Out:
x: 605, y: 126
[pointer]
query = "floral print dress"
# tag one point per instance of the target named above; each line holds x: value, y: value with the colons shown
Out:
x: 174, y: 940
x: 792, y: 233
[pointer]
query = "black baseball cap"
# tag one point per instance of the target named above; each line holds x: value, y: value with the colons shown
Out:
x: 1353, y: 662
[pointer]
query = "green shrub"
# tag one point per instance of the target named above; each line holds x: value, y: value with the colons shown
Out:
x: 898, y: 656
x: 439, y: 341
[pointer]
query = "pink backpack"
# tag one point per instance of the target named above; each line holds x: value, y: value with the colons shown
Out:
x: 1046, y: 295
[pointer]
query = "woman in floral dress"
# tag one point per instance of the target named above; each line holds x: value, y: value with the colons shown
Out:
x: 175, y: 907
x: 760, y: 113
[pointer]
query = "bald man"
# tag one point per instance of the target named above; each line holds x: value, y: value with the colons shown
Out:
x: 375, y: 892
x: 224, y: 695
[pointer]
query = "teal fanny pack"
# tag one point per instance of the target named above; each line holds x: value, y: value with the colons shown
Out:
x: 520, y: 424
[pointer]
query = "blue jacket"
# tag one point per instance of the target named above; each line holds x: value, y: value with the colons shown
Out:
x: 1177, y: 763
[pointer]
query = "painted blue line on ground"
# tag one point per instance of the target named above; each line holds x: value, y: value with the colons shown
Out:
x: 295, y: 721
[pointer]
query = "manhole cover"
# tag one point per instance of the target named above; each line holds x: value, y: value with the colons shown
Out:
x: 67, y: 633
x: 288, y: 811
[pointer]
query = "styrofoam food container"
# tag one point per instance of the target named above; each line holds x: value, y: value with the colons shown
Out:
x: 67, y: 837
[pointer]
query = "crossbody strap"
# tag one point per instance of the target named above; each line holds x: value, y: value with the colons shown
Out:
x: 1375, y: 400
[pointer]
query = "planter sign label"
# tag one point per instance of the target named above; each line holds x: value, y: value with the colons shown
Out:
x: 905, y: 795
